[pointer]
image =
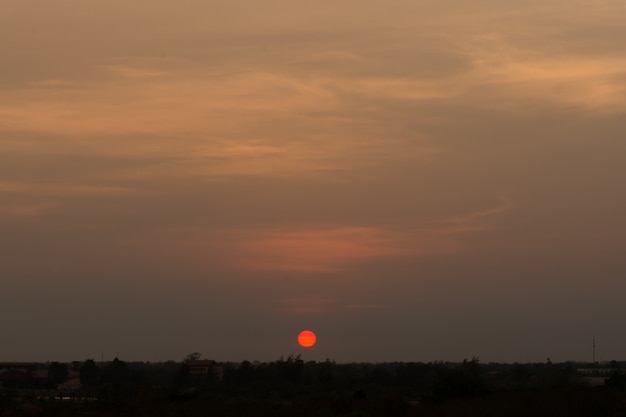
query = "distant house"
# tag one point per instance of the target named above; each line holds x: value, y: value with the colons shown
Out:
x: 13, y: 377
x: 199, y: 366
x: 14, y: 373
x: 71, y: 384
x: 595, y: 372
x: 594, y: 376
x: 204, y: 367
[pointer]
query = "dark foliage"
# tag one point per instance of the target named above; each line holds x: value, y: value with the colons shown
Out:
x: 90, y: 374
x: 291, y: 386
x: 57, y: 372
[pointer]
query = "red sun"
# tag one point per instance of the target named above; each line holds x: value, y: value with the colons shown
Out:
x: 307, y: 338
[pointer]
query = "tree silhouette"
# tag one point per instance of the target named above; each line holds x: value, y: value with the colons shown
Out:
x: 90, y: 374
x: 194, y: 356
x: 116, y: 372
x: 57, y: 372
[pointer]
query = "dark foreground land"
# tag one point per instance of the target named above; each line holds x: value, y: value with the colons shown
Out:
x: 292, y: 387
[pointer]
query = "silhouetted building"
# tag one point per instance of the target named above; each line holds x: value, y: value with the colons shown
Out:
x: 71, y: 384
x: 204, y: 367
x: 13, y: 377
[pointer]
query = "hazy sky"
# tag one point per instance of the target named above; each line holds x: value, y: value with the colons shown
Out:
x: 413, y: 180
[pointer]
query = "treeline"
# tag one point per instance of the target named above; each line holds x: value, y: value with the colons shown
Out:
x: 291, y: 386
x: 432, y: 383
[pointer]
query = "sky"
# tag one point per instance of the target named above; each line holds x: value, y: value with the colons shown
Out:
x: 413, y: 180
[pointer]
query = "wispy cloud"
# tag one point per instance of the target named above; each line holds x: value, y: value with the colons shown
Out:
x: 319, y: 305
x: 63, y: 190
x: 333, y: 248
x: 252, y: 123
x: 592, y: 82
x: 134, y: 72
x: 315, y: 249
x: 306, y: 305
x: 35, y: 198
x: 473, y: 221
x: 26, y: 209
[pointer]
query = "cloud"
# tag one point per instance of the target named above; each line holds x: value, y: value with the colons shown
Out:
x: 472, y: 222
x: 325, y: 249
x: 250, y: 123
x: 321, y: 105
x: 587, y: 82
x: 63, y: 190
x: 26, y: 210
x: 306, y: 305
x: 134, y: 72
x: 36, y: 198
x: 314, y: 249
x: 319, y: 305
x: 311, y: 249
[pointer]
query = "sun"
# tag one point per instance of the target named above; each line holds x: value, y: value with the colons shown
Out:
x: 307, y: 338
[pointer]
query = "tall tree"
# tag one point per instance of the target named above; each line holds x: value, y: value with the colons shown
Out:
x: 90, y: 374
x: 57, y: 372
x: 116, y: 372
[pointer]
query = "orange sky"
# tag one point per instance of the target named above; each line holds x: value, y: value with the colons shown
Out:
x: 412, y: 180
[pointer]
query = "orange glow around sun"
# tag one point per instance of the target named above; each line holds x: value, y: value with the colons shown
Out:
x: 307, y: 338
